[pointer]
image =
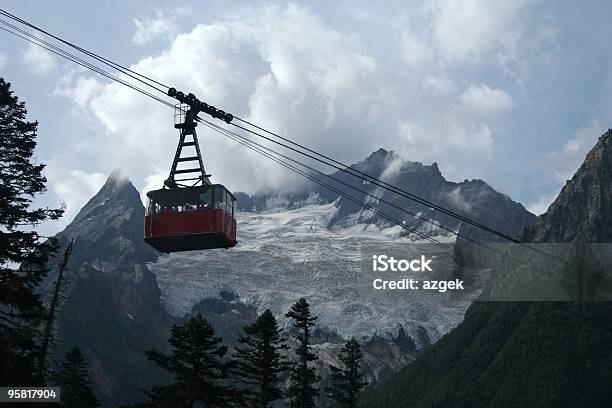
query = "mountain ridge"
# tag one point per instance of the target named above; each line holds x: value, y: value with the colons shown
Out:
x: 472, y: 198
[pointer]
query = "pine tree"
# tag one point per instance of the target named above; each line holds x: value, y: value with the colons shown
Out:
x: 22, y: 254
x: 302, y: 390
x: 259, y: 362
x: 196, y: 361
x: 347, y: 382
x: 73, y: 380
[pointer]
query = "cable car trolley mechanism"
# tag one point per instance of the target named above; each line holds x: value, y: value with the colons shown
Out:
x: 200, y: 215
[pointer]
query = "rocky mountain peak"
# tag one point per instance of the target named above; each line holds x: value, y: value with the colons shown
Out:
x: 117, y: 188
x: 115, y: 211
x: 377, y: 162
x: 385, y: 163
x: 380, y: 152
x: 435, y: 168
x: 583, y: 209
x: 117, y: 177
x: 473, y: 198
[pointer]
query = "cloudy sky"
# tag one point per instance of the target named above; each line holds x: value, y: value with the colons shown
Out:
x: 511, y: 92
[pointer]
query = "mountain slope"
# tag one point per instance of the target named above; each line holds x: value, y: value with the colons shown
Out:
x: 112, y: 310
x: 536, y: 354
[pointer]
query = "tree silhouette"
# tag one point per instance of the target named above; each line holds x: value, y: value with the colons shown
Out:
x: 259, y: 362
x: 347, y: 382
x: 196, y: 361
x: 302, y: 390
x: 73, y: 380
x: 22, y: 254
x: 47, y: 338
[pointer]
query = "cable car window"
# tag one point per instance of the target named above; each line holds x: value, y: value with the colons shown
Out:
x: 205, y: 199
x: 162, y: 201
x: 228, y: 202
x: 191, y: 200
x: 153, y: 207
x: 220, y: 199
x: 150, y: 206
x: 172, y: 201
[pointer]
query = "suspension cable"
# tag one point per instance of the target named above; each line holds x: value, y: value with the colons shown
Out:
x: 66, y: 55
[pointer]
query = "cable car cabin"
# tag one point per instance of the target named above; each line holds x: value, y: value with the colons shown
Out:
x: 190, y: 218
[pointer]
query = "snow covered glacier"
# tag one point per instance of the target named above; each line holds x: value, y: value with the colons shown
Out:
x: 283, y: 255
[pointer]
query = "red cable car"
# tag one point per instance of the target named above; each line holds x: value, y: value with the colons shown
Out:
x: 183, y: 217
x: 190, y: 218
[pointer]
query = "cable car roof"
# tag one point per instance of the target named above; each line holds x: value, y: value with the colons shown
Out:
x: 165, y: 192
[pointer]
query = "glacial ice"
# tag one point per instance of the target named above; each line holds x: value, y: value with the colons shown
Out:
x: 286, y: 254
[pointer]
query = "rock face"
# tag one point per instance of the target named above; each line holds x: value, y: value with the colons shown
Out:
x: 537, y: 354
x: 112, y: 310
x: 585, y: 201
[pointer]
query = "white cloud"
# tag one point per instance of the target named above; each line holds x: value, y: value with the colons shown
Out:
x: 457, y: 198
x: 3, y: 60
x: 82, y: 91
x: 415, y: 50
x: 439, y: 85
x: 324, y: 89
x: 38, y: 60
x: 392, y: 169
x: 153, y: 182
x: 477, y: 136
x: 468, y: 28
x: 150, y: 28
x: 484, y: 99
x: 307, y: 86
